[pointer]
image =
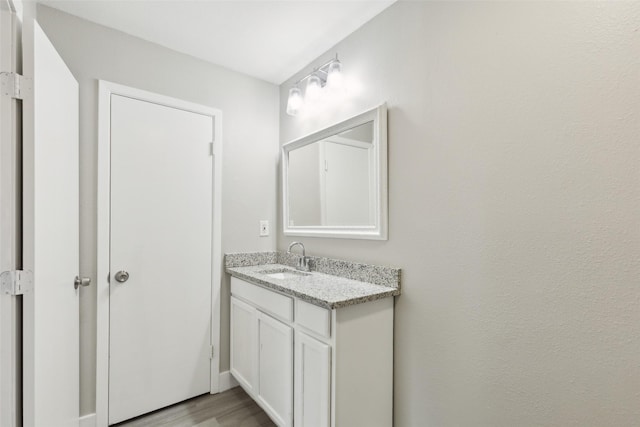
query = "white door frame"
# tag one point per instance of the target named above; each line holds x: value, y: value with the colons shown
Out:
x: 106, y: 89
x: 10, y: 334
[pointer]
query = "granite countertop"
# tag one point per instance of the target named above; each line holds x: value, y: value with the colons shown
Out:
x: 324, y: 290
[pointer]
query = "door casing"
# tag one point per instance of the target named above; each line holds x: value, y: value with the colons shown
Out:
x: 10, y: 235
x: 106, y: 89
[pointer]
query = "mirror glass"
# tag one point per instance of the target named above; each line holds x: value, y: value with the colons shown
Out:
x: 330, y: 180
x: 333, y: 180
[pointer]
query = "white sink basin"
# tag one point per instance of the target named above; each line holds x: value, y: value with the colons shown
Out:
x: 282, y: 274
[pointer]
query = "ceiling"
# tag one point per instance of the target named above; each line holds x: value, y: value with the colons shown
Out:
x: 267, y: 39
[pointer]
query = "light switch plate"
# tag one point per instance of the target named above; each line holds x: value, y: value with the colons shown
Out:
x: 264, y: 228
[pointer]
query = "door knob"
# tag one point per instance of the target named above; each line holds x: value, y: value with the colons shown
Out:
x: 81, y: 281
x: 122, y: 276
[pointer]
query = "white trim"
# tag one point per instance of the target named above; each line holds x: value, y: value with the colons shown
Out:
x: 10, y: 357
x: 88, y: 420
x: 105, y: 90
x: 378, y: 231
x: 227, y: 381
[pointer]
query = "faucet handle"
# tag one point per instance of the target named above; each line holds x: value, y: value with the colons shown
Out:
x: 303, y: 263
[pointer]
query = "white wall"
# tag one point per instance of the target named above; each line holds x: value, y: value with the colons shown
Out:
x: 250, y: 126
x: 514, y: 180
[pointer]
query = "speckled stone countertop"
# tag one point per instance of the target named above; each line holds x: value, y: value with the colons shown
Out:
x: 325, y: 290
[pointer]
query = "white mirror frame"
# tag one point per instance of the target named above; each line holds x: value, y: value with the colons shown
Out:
x: 377, y: 231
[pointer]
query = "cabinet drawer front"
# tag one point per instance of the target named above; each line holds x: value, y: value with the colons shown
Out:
x: 264, y: 299
x: 314, y: 318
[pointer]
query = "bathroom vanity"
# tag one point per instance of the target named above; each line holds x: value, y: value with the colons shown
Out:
x: 312, y: 338
x: 311, y: 348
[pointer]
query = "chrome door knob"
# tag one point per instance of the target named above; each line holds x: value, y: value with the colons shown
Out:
x: 121, y: 276
x: 81, y: 281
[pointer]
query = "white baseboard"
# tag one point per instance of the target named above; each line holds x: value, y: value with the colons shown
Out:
x: 227, y: 381
x: 88, y: 420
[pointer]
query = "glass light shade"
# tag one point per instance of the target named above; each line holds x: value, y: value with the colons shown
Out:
x: 335, y: 79
x: 295, y: 101
x: 314, y: 88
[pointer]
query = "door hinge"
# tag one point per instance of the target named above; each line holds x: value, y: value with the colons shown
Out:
x: 16, y: 282
x: 212, y: 353
x: 14, y: 85
x: 211, y: 148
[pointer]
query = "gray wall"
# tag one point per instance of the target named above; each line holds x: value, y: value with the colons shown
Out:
x: 514, y: 193
x: 250, y: 144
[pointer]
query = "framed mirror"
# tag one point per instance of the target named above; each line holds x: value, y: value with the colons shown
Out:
x: 335, y: 180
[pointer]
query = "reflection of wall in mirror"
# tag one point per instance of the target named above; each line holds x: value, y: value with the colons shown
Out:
x: 304, y: 186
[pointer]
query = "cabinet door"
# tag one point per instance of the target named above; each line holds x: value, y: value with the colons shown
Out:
x: 312, y: 382
x: 244, y: 349
x: 276, y: 368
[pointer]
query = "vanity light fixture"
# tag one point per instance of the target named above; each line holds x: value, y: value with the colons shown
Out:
x: 314, y: 88
x: 335, y: 79
x: 327, y: 76
x: 295, y: 102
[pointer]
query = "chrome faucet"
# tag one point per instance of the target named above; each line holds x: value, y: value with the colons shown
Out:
x: 303, y: 261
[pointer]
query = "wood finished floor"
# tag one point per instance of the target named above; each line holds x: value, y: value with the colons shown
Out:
x: 233, y: 408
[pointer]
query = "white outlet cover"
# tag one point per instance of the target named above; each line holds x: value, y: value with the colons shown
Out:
x: 264, y: 228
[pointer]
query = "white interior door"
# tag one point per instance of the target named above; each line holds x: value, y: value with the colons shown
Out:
x: 161, y: 236
x: 50, y: 234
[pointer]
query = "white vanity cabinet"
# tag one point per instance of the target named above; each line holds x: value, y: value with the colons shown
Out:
x: 262, y: 348
x: 275, y: 364
x: 244, y: 344
x: 312, y: 378
x: 311, y: 366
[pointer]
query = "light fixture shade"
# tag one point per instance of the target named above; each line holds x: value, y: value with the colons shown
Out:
x: 314, y: 88
x: 335, y: 78
x: 295, y: 101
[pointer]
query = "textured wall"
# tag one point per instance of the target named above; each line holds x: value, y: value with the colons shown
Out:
x: 250, y: 148
x: 514, y: 161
